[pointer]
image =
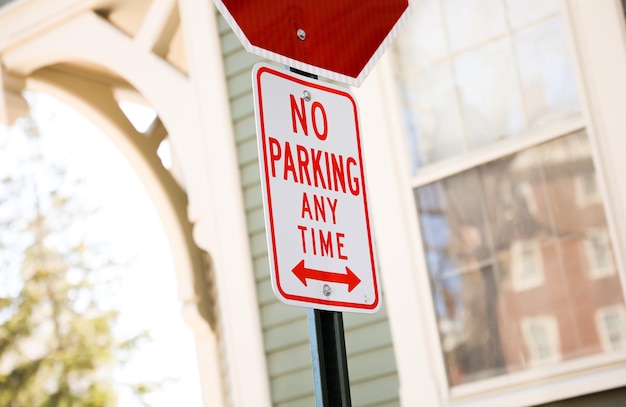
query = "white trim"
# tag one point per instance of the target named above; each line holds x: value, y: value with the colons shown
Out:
x: 545, y: 391
x: 599, y: 36
x: 394, y: 216
x: 220, y: 222
x: 23, y: 19
x: 158, y: 26
x: 475, y: 158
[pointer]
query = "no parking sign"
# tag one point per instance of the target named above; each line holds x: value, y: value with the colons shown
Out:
x: 314, y: 191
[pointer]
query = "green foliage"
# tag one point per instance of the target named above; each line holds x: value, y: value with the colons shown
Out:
x: 56, y: 336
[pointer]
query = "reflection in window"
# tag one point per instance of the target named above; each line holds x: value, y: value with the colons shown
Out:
x: 470, y: 22
x: 526, y: 265
x: 586, y: 189
x: 599, y: 255
x: 489, y: 93
x: 611, y: 323
x: 541, y: 335
x: 547, y: 78
x: 497, y: 258
x: 473, y: 72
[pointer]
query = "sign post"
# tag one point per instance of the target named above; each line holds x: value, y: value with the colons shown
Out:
x: 313, y: 181
x: 328, y: 354
x: 316, y: 210
x: 328, y: 350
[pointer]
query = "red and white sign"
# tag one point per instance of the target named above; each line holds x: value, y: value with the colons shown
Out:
x: 336, y: 39
x: 313, y: 180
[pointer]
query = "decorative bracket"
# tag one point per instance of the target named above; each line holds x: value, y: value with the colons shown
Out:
x: 12, y: 103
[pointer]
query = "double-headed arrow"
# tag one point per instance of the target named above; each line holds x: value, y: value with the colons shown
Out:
x: 303, y: 273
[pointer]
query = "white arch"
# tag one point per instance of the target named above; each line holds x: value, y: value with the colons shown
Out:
x: 169, y: 199
x: 95, y: 101
x: 205, y: 153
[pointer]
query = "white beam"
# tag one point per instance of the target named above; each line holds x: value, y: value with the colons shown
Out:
x: 23, y: 19
x: 12, y: 103
x: 96, y: 102
x: 197, y: 117
x: 599, y: 35
x: 158, y: 27
x: 224, y: 227
x: 166, y: 89
x: 394, y: 219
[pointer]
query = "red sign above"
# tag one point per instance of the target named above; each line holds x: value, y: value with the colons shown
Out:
x: 337, y: 39
x: 313, y: 183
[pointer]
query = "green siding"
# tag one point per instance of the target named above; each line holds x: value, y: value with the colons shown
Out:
x: 373, y: 393
x: 285, y: 336
x: 371, y: 361
x: 301, y: 402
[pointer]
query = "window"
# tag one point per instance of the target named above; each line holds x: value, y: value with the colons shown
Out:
x: 505, y: 186
x: 611, y: 325
x: 599, y: 254
x: 473, y: 72
x: 526, y: 265
x: 587, y: 189
x: 541, y: 335
x: 514, y: 264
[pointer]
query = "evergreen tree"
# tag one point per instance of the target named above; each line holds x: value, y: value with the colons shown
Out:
x: 57, y: 346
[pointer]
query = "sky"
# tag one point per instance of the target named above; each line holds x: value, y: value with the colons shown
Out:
x: 128, y: 222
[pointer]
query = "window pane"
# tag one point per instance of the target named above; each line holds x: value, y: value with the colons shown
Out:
x: 474, y: 72
x: 423, y: 40
x: 468, y: 324
x: 611, y: 322
x: 518, y: 266
x: 489, y: 93
x: 524, y: 12
x: 431, y: 116
x: 541, y: 336
x: 546, y: 72
x: 471, y: 22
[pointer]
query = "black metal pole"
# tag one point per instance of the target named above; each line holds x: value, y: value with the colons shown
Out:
x: 330, y: 364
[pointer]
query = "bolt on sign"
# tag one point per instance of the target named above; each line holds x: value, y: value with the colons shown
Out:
x: 313, y: 182
x: 337, y: 39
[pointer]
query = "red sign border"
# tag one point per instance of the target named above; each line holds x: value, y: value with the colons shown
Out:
x: 258, y: 71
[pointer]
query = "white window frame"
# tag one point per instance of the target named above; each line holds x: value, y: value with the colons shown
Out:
x: 598, y: 39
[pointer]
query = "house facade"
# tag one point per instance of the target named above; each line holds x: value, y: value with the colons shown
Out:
x: 494, y: 150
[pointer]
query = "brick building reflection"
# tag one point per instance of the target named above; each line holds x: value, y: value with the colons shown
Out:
x: 520, y: 262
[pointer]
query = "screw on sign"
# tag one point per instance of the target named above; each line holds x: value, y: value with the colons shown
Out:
x: 318, y: 226
x: 337, y: 39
